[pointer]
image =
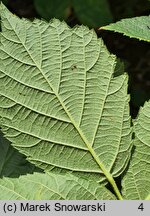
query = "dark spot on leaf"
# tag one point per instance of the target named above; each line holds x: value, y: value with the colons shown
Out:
x: 22, y: 94
x: 73, y: 67
x: 148, y: 27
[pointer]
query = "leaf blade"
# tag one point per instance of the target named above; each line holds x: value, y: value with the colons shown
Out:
x: 62, y: 113
x: 52, y: 187
x: 136, y: 183
x: 137, y: 27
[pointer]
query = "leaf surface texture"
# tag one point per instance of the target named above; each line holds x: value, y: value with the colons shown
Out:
x: 136, y: 183
x: 137, y: 27
x: 52, y: 187
x: 60, y: 103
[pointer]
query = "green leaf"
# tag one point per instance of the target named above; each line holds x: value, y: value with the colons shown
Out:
x: 138, y: 27
x: 60, y: 103
x: 52, y: 187
x: 92, y: 13
x: 119, y: 69
x: 50, y: 9
x: 136, y: 182
x: 12, y: 163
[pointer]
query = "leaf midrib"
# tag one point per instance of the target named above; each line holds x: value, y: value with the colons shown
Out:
x: 91, y: 150
x: 58, y: 97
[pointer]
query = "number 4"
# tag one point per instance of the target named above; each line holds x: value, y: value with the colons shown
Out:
x: 141, y: 207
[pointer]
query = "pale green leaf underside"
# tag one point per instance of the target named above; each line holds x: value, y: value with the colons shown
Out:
x: 52, y: 187
x: 59, y: 101
x: 138, y: 27
x: 136, y: 183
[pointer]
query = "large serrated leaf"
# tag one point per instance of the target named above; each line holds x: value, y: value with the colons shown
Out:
x: 52, y: 187
x: 136, y: 183
x: 60, y: 104
x: 137, y: 27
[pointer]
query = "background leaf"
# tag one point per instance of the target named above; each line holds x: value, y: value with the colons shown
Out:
x: 136, y: 182
x: 12, y: 163
x: 52, y: 8
x: 92, y: 13
x: 137, y: 27
x: 61, y: 106
x: 52, y: 187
